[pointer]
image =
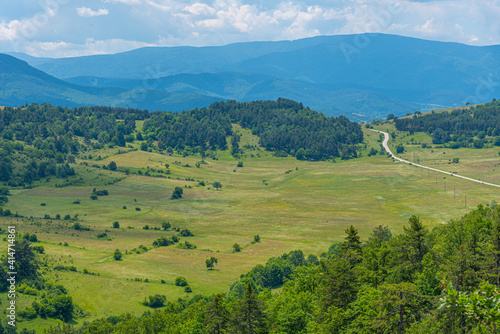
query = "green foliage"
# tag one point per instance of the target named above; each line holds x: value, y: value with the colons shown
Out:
x: 236, y: 248
x: 112, y: 165
x: 217, y: 185
x: 211, y: 262
x: 155, y: 301
x: 186, y: 245
x: 186, y: 233
x: 281, y: 125
x: 177, y: 193
x: 117, y: 255
x: 181, y: 281
x: 116, y: 225
x: 460, y: 126
x: 249, y: 316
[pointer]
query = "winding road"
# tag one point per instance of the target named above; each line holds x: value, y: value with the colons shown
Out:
x: 386, y: 146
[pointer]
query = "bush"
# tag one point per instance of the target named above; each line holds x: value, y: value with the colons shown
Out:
x: 188, y: 289
x: 38, y: 249
x: 237, y: 248
x: 93, y: 197
x: 186, y: 233
x: 117, y: 255
x: 112, y: 165
x: 186, y: 245
x: 177, y: 193
x: 116, y: 225
x: 28, y: 313
x: 101, y: 236
x: 181, y: 281
x: 240, y: 164
x: 155, y: 301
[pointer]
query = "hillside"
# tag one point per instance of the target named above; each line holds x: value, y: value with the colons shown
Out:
x: 80, y: 184
x: 20, y: 83
x: 391, y: 74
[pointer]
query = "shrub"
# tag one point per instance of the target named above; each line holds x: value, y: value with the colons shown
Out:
x: 117, y: 255
x: 187, y: 289
x: 155, y: 301
x: 186, y: 233
x: 38, y: 249
x: 186, y: 245
x: 181, y: 281
x: 116, y: 225
x: 177, y: 193
x: 237, y: 248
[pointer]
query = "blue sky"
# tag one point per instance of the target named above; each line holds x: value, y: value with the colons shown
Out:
x: 66, y: 28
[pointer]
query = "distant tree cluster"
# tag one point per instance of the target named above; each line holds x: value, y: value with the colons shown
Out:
x: 460, y: 128
x: 39, y: 141
x: 282, y: 126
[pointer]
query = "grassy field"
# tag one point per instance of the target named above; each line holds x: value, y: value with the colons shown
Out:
x: 291, y: 204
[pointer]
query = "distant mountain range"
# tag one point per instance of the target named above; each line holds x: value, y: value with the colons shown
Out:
x: 361, y: 76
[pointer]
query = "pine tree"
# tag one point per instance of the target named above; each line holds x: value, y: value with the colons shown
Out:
x: 218, y: 315
x: 249, y: 317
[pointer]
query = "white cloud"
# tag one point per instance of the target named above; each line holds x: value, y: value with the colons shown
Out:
x: 216, y: 22
x: 9, y: 31
x: 87, y: 12
x: 200, y: 9
x: 428, y: 28
x: 125, y: 2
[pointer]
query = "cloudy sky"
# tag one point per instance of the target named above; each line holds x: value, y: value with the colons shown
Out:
x: 65, y: 28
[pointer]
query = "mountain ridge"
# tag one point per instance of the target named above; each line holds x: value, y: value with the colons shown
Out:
x: 387, y: 74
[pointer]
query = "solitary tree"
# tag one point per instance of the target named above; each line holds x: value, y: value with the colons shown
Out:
x: 217, y: 185
x: 112, y: 165
x: 117, y: 255
x: 116, y: 225
x: 165, y: 225
x: 211, y: 262
x: 237, y: 248
x: 177, y: 193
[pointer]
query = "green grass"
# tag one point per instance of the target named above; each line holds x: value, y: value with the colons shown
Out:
x: 308, y: 208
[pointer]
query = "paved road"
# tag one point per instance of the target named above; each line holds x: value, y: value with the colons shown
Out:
x: 386, y: 146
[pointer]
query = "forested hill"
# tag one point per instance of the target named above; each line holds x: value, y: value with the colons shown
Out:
x: 465, y: 127
x: 283, y: 126
x: 39, y: 141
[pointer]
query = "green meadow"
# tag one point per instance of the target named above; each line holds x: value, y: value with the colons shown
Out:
x: 290, y: 204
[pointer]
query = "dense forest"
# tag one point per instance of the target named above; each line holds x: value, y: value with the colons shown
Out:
x: 460, y: 128
x: 421, y: 281
x: 283, y: 126
x: 41, y: 141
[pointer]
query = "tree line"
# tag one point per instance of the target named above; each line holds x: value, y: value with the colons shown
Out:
x: 459, y: 128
